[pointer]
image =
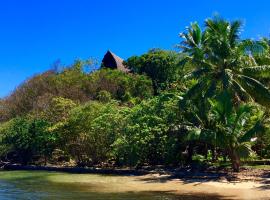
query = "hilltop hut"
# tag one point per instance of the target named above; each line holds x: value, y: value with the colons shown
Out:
x: 113, y: 61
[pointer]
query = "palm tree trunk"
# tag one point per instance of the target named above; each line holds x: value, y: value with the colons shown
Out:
x: 235, y: 160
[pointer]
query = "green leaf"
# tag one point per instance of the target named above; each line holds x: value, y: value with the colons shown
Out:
x: 257, y: 71
x: 257, y: 128
x: 244, y: 150
x: 256, y: 89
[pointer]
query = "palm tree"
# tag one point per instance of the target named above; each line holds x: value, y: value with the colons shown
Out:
x: 221, y: 61
x: 235, y: 128
x: 228, y: 128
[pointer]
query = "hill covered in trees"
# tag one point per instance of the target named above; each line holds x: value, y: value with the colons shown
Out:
x: 205, y: 103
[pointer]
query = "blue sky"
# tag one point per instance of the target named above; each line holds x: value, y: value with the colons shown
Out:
x: 34, y: 34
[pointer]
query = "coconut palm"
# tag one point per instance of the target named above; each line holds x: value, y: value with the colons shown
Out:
x: 221, y: 61
x: 235, y: 128
x: 228, y: 128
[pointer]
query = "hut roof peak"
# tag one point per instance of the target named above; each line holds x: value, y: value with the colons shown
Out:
x: 111, y: 60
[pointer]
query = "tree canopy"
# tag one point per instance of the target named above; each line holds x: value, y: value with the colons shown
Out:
x: 203, y: 105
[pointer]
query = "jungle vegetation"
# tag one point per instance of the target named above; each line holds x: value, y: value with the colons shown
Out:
x: 206, y: 102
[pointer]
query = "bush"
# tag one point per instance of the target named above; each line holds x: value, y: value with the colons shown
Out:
x: 146, y: 136
x: 25, y: 138
x: 90, y: 131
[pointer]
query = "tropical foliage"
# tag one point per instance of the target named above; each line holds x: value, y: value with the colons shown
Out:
x: 207, y: 103
x: 160, y: 65
x: 224, y: 62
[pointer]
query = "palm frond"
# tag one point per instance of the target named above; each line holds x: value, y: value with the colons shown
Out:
x: 196, y: 33
x: 244, y: 150
x: 193, y: 36
x: 217, y: 25
x: 197, y: 134
x: 210, y: 92
x: 256, y: 89
x: 253, y: 47
x: 240, y: 91
x: 197, y: 90
x: 234, y: 32
x: 196, y: 73
x: 256, y: 129
x: 225, y: 103
x: 221, y: 138
x: 193, y: 134
x: 208, y: 136
x: 240, y: 114
x: 257, y: 71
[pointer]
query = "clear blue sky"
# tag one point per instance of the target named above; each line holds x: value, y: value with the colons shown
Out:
x: 34, y: 33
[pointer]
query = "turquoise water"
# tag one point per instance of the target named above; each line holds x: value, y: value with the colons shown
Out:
x: 37, y: 185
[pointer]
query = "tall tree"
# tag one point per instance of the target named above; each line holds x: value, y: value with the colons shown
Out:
x: 160, y: 65
x: 222, y: 61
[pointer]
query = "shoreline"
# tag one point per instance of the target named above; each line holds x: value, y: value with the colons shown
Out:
x: 81, y: 170
x: 200, y: 185
x: 246, y: 185
x: 172, y: 173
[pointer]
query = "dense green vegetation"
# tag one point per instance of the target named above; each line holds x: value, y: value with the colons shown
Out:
x: 207, y: 103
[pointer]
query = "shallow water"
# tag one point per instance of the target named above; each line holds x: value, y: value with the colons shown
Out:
x: 39, y: 185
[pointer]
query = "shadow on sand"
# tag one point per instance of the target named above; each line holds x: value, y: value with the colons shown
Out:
x: 191, y: 177
x: 265, y: 181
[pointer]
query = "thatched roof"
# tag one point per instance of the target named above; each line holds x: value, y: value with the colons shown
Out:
x: 113, y: 61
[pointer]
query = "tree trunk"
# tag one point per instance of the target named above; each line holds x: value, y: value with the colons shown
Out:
x: 206, y: 151
x: 190, y: 153
x: 235, y: 161
x: 45, y: 160
x: 214, y: 154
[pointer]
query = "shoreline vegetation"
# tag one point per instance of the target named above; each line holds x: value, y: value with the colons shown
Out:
x: 203, y: 109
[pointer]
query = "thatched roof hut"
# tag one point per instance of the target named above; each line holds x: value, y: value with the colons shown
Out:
x: 113, y: 61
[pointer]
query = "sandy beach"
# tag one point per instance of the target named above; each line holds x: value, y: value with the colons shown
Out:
x: 214, y: 189
x: 252, y: 185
